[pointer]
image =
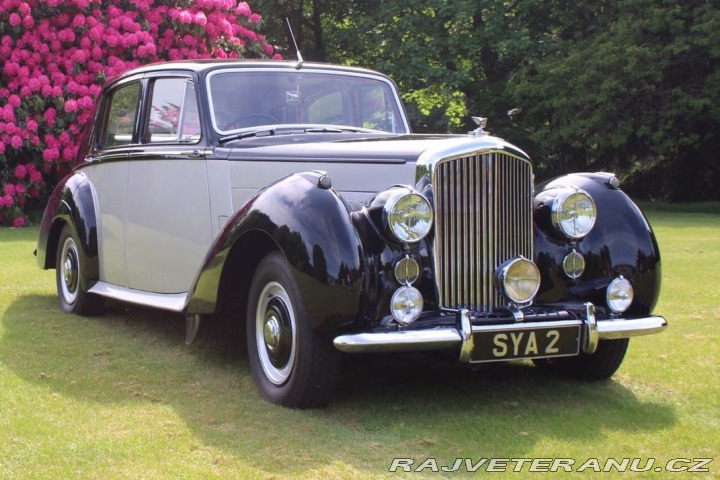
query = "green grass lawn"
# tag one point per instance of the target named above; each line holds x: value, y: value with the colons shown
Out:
x: 121, y: 396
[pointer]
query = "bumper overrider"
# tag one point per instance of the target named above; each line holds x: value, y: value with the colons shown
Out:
x: 522, y: 339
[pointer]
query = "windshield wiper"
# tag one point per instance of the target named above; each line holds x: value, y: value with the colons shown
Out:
x: 294, y: 130
x: 262, y: 132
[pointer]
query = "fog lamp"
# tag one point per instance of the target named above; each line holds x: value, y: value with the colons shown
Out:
x: 406, y: 305
x: 573, y: 213
x: 518, y: 280
x: 409, y: 216
x: 620, y: 295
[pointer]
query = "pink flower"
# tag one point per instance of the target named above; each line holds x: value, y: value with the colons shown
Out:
x: 66, y: 35
x: 35, y: 176
x: 6, y: 201
x: 9, y: 190
x: 79, y: 56
x: 51, y: 154
x: 243, y: 9
x: 16, y: 141
x: 50, y: 116
x: 184, y: 17
x: 19, y: 189
x: 71, y: 106
x: 85, y: 102
x: 78, y: 21
x: 24, y: 9
x: 14, y: 19
x: 19, y: 222
x: 200, y: 19
x: 21, y: 172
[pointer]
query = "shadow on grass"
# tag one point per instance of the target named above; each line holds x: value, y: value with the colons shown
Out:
x: 385, y: 406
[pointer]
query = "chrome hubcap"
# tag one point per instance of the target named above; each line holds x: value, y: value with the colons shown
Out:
x: 272, y: 333
x: 69, y: 271
x: 275, y: 333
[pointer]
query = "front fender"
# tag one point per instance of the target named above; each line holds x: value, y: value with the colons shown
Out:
x: 311, y: 225
x: 621, y: 243
x: 71, y: 202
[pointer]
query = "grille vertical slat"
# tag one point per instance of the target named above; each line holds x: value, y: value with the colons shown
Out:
x: 483, y: 217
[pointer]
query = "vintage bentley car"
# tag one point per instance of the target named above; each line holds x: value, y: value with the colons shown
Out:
x: 294, y: 198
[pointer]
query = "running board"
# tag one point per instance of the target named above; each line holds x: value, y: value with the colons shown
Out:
x: 175, y: 302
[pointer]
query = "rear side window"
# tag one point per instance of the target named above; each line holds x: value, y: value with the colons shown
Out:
x: 174, y: 114
x: 121, y: 116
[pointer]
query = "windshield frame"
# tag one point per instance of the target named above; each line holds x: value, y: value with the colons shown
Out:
x: 399, y: 120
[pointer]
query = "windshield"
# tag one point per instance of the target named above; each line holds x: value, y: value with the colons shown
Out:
x: 242, y: 99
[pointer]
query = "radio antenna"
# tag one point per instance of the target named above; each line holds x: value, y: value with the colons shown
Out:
x: 297, y: 49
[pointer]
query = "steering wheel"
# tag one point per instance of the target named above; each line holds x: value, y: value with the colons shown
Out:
x: 246, y: 120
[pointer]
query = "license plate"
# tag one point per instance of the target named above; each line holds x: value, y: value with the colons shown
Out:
x: 512, y: 344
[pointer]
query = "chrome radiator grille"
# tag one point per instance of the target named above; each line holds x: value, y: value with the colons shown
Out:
x: 483, y: 217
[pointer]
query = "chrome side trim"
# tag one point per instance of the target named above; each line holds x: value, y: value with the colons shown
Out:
x: 626, y: 328
x: 175, y: 302
x: 449, y: 337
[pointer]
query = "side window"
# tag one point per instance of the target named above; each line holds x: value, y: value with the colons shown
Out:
x: 122, y: 112
x: 173, y: 112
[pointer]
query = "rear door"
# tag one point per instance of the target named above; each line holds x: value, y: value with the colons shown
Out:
x: 107, y: 168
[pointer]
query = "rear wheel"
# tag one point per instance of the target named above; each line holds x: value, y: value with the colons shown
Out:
x: 292, y: 365
x: 74, y: 298
x: 597, y: 366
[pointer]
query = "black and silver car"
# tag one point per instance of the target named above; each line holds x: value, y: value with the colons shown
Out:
x: 294, y: 198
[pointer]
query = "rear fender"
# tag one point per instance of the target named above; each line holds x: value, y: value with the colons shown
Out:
x: 72, y: 202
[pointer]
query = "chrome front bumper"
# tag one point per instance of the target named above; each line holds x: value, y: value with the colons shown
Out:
x: 441, y: 338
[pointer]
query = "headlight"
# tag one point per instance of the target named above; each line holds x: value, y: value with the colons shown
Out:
x: 409, y: 216
x: 406, y: 305
x: 620, y: 295
x: 573, y: 213
x: 518, y: 280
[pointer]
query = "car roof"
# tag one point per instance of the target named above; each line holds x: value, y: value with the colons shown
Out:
x: 205, y: 65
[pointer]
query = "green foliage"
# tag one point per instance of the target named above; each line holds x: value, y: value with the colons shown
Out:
x: 628, y: 86
x: 635, y: 92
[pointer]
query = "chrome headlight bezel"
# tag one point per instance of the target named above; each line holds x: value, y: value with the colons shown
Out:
x: 573, y: 213
x: 406, y: 305
x: 518, y: 280
x: 408, y: 216
x: 620, y: 294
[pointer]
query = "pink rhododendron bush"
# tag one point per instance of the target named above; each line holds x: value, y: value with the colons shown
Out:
x: 55, y: 55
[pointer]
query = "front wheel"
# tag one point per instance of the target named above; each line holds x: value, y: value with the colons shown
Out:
x: 291, y: 364
x: 74, y: 298
x: 597, y: 366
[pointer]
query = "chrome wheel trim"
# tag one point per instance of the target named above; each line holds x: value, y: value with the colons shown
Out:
x: 69, y: 271
x: 275, y: 333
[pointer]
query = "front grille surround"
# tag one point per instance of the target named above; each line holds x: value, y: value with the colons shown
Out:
x: 483, y: 217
